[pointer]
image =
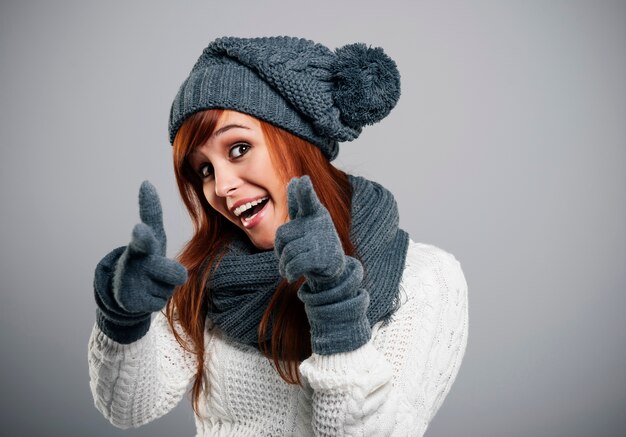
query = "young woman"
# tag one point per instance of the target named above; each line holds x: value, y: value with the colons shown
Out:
x: 298, y: 307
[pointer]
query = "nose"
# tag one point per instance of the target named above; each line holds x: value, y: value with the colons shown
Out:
x: 226, y: 180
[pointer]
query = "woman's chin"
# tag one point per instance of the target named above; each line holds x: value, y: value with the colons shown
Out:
x: 262, y: 239
x: 263, y: 233
x: 263, y: 244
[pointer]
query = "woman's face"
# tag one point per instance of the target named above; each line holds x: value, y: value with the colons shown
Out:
x: 237, y: 173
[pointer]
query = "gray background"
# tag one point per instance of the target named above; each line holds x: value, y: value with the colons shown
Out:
x: 507, y: 148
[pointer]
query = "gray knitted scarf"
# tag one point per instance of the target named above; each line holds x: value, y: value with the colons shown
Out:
x: 241, y: 287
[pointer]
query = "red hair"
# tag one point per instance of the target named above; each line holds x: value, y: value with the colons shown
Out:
x: 291, y: 156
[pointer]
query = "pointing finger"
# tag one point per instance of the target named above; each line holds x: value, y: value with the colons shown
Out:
x: 307, y: 198
x: 292, y: 198
x: 151, y: 213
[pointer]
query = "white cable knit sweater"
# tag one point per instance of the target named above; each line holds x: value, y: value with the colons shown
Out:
x: 391, y: 386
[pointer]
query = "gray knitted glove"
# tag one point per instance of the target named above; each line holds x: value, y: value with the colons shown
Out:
x: 133, y: 281
x: 308, y: 245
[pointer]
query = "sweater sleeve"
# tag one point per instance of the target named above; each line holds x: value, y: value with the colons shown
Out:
x: 133, y: 384
x: 395, y: 384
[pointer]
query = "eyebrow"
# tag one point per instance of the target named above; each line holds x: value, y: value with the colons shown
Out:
x: 227, y: 128
x: 220, y: 131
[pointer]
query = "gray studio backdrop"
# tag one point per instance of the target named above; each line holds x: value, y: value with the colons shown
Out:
x: 507, y: 148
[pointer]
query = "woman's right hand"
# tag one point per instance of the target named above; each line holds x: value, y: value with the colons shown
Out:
x: 133, y: 281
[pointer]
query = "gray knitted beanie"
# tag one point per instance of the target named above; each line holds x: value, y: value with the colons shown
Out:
x: 305, y: 88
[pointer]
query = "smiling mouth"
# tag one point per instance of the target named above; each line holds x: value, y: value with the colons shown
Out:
x: 250, y: 213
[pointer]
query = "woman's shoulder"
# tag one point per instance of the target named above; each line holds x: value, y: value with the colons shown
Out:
x: 429, y: 255
x: 427, y: 265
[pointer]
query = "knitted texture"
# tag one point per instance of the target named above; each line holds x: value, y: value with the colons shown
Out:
x: 243, y: 284
x: 133, y: 281
x: 308, y: 245
x: 337, y: 311
x: 305, y: 88
x: 393, y: 385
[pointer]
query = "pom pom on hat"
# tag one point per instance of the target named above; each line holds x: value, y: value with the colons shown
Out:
x: 367, y: 84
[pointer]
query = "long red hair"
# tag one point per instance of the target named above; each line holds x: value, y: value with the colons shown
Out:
x: 291, y: 156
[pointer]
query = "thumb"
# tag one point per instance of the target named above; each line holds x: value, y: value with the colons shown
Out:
x: 151, y: 213
x: 143, y: 242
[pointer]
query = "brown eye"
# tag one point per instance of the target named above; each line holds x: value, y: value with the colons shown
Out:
x: 239, y: 150
x: 205, y: 171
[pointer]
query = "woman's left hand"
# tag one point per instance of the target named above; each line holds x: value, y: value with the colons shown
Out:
x: 308, y: 244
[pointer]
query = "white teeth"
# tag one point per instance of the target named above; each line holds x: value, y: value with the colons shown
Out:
x: 248, y: 205
x: 247, y: 219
